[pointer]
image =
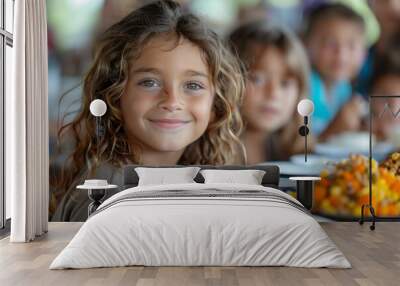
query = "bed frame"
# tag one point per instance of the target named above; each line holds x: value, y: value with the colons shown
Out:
x: 270, y: 179
x: 130, y: 179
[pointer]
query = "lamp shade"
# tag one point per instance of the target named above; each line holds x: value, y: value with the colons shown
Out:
x: 98, y: 107
x: 305, y: 107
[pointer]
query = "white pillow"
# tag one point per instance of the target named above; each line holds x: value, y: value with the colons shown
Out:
x: 248, y: 177
x: 162, y: 176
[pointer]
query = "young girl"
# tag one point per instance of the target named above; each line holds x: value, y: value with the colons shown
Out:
x: 172, y: 90
x: 277, y: 70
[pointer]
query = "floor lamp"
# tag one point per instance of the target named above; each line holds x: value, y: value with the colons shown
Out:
x: 369, y: 205
x: 395, y: 114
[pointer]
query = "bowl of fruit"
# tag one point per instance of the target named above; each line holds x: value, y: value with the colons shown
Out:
x: 345, y: 188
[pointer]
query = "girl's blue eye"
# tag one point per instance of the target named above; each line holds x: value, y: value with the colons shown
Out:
x: 193, y: 86
x: 150, y: 83
x: 256, y: 79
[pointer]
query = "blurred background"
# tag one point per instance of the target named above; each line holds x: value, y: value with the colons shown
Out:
x: 73, y: 25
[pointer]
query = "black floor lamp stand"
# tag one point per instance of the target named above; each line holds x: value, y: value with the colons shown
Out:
x: 369, y: 205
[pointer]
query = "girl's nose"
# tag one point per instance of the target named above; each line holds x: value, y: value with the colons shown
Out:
x: 271, y: 89
x: 170, y: 100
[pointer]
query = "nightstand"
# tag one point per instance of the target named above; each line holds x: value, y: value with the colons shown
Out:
x: 305, y: 190
x: 97, y: 190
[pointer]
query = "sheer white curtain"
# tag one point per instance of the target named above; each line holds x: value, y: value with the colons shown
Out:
x: 27, y: 156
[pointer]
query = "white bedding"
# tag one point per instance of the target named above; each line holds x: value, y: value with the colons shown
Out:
x: 189, y: 230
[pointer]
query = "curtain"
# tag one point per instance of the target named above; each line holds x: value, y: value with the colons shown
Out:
x: 27, y: 157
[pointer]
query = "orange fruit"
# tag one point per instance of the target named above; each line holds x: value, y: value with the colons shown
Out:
x: 320, y: 193
x: 363, y: 200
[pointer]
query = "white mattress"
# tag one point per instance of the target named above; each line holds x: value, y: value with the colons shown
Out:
x: 190, y: 230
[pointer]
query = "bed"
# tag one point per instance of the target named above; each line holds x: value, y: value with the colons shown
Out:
x: 201, y: 224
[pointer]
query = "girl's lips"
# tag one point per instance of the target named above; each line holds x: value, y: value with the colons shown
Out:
x: 169, y: 123
x: 269, y: 110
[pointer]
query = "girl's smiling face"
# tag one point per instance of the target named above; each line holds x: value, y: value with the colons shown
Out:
x: 271, y: 93
x: 167, y: 102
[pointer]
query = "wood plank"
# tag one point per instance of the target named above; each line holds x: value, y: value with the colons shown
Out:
x: 375, y: 257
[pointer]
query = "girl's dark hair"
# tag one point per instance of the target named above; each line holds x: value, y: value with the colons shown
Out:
x: 243, y: 41
x: 387, y: 63
x: 326, y: 11
x: 107, y: 77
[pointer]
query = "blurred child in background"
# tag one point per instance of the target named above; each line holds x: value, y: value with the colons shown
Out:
x: 335, y: 39
x: 276, y: 69
x: 387, y: 13
x: 386, y: 82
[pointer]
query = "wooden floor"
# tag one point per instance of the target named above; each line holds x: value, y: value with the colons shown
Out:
x: 374, y: 255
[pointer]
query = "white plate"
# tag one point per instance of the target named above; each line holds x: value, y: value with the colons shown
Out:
x: 312, y: 159
x: 379, y: 150
x: 292, y: 169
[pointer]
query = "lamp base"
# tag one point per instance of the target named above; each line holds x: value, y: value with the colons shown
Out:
x: 304, y: 193
x: 96, y: 196
x: 372, y: 211
x: 305, y: 190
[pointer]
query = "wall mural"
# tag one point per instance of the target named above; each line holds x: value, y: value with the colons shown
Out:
x: 220, y: 90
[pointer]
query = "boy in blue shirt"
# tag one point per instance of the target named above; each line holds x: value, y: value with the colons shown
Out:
x: 335, y: 39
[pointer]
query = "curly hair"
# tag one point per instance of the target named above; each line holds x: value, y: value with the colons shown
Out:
x: 108, y: 76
